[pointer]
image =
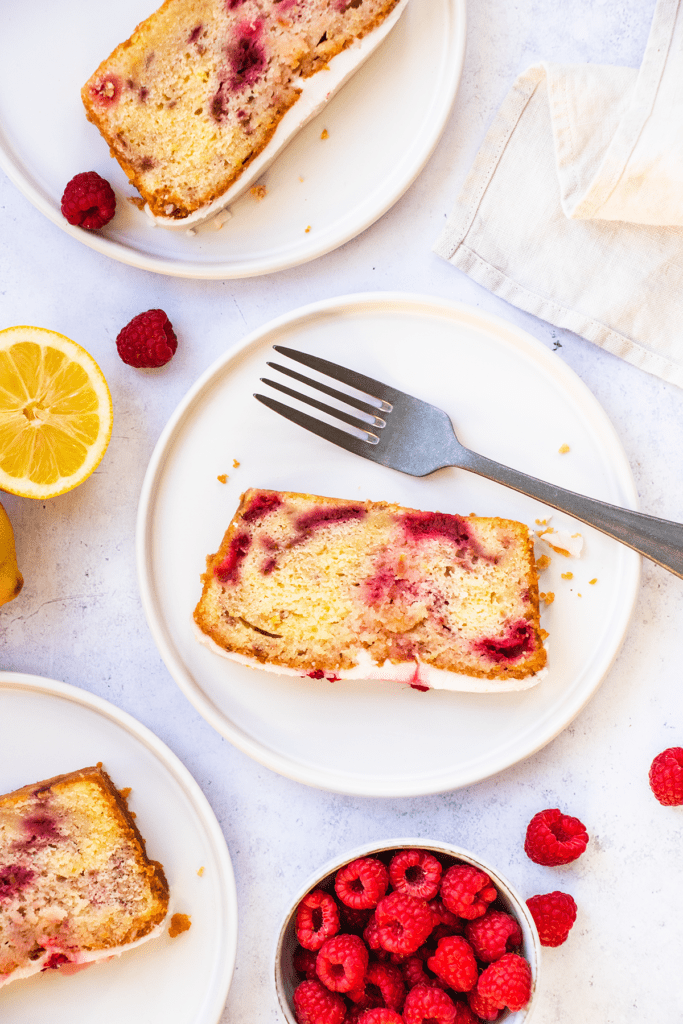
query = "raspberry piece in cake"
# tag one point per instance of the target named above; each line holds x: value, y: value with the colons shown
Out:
x: 76, y: 884
x: 554, y: 914
x: 88, y: 201
x: 467, y: 891
x: 362, y: 883
x: 317, y: 919
x: 403, y: 923
x: 342, y: 963
x: 493, y: 935
x: 326, y: 588
x: 554, y: 838
x: 315, y: 1004
x: 415, y: 872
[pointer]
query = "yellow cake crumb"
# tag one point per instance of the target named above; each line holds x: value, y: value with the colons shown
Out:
x: 222, y: 478
x: 543, y: 562
x: 179, y: 923
x: 258, y: 192
x: 200, y: 871
x: 567, y: 575
x: 595, y: 580
x: 306, y: 230
x: 548, y: 598
x: 235, y: 463
x: 563, y: 449
x: 324, y: 134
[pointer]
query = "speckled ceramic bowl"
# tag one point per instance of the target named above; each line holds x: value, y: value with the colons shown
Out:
x: 286, y: 978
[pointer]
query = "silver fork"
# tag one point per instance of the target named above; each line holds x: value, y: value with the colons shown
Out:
x: 414, y: 437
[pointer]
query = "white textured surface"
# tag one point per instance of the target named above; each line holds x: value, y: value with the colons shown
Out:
x: 79, y: 617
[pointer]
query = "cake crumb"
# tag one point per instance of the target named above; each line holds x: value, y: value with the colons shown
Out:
x: 235, y: 463
x: 567, y: 575
x: 563, y: 449
x: 544, y: 634
x: 324, y: 134
x: 307, y: 229
x: 548, y: 598
x: 137, y: 201
x: 222, y: 478
x: 125, y: 792
x: 300, y: 178
x: 595, y: 580
x: 179, y: 923
x: 200, y: 872
x: 258, y: 192
x: 543, y: 562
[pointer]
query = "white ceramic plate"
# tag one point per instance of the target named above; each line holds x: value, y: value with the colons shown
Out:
x: 511, y: 399
x: 382, y: 127
x: 47, y: 728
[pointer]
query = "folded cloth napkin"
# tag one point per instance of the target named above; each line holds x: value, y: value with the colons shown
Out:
x: 573, y: 209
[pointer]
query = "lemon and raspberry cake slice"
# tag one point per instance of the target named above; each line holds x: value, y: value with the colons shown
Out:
x: 331, y: 588
x: 205, y: 93
x: 76, y: 884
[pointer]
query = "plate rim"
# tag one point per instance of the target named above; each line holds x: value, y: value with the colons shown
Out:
x: 182, y: 776
x: 300, y: 771
x: 257, y: 267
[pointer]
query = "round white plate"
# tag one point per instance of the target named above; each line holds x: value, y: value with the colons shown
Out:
x: 382, y: 127
x: 49, y: 728
x: 509, y: 398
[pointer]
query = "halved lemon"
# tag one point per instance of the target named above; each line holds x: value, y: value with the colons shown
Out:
x: 55, y: 413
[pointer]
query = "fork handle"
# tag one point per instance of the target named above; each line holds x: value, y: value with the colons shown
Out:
x: 657, y: 539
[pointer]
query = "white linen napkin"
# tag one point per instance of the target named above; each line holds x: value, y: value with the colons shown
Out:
x: 573, y: 209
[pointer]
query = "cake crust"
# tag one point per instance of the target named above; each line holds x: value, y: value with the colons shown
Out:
x: 319, y: 586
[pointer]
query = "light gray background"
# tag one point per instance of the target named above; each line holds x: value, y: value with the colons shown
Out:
x: 79, y: 617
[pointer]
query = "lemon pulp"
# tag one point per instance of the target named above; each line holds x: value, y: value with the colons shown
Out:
x: 55, y: 413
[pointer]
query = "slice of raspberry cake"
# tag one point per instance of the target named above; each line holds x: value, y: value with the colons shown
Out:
x: 76, y: 884
x: 206, y: 92
x: 328, y: 588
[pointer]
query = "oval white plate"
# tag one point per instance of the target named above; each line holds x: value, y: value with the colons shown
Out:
x: 511, y: 399
x: 48, y: 728
x: 382, y: 127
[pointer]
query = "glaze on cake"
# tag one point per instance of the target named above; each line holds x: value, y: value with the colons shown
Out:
x: 330, y: 588
x: 76, y: 884
x: 191, y: 104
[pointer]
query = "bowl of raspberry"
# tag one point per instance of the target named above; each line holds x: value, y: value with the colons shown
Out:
x: 411, y: 931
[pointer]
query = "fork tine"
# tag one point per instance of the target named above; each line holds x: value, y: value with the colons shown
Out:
x: 319, y: 386
x: 339, y: 414
x: 366, y: 449
x: 375, y: 388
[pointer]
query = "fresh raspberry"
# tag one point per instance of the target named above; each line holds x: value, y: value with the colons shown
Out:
x: 353, y: 920
x: 464, y: 1015
x: 381, y: 1015
x: 148, y: 340
x: 303, y: 961
x: 89, y: 201
x: 386, y: 981
x: 493, y: 935
x: 362, y: 883
x: 466, y: 891
x: 554, y: 838
x: 482, y: 1008
x: 403, y: 923
x: 507, y: 982
x: 554, y: 914
x: 428, y: 1005
x: 371, y: 934
x: 454, y: 963
x: 446, y: 918
x: 314, y: 1004
x: 666, y: 777
x: 415, y: 872
x: 317, y: 919
x: 342, y: 963
x: 415, y: 973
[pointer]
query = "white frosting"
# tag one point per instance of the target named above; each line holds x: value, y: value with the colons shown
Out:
x: 316, y: 91
x: 79, y: 958
x: 415, y: 673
